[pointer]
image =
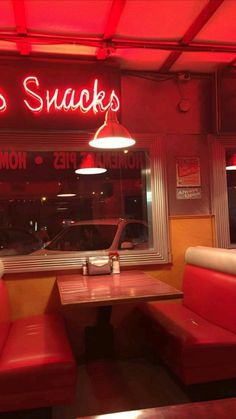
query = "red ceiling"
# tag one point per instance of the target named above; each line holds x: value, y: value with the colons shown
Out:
x: 155, y: 35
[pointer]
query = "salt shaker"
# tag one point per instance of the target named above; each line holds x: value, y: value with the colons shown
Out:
x: 115, y: 264
x: 84, y: 269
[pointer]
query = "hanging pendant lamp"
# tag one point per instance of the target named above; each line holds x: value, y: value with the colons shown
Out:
x: 231, y: 162
x: 88, y: 166
x: 65, y: 191
x: 112, y: 134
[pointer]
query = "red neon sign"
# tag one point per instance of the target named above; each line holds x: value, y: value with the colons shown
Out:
x: 69, y: 99
x: 3, y: 103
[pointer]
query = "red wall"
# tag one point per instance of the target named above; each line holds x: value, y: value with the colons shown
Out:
x: 153, y: 107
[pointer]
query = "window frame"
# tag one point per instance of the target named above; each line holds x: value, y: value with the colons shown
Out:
x: 219, y: 190
x: 157, y: 206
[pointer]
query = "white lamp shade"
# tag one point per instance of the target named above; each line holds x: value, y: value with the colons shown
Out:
x: 88, y: 166
x: 65, y: 191
x: 231, y: 163
x: 112, y: 134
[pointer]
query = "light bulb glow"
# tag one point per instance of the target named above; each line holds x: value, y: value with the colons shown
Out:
x: 112, y: 142
x: 89, y: 167
x: 66, y: 195
x: 231, y: 167
x: 231, y: 162
x: 112, y: 134
x: 90, y: 170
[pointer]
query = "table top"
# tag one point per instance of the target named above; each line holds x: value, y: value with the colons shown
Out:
x: 217, y: 409
x: 112, y: 289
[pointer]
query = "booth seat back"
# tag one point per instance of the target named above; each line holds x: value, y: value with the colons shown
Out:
x: 4, y: 314
x: 209, y: 285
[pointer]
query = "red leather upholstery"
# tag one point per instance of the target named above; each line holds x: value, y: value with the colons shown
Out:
x: 211, y: 294
x: 37, y: 367
x: 196, y: 337
x: 195, y: 349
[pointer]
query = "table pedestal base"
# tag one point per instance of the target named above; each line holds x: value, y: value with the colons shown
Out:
x: 99, y: 340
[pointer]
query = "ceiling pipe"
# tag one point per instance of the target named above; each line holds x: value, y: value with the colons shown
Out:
x: 122, y: 44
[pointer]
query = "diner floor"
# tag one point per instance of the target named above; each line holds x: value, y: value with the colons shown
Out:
x: 111, y: 386
x: 106, y: 386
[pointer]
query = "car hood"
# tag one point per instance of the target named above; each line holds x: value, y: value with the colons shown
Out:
x: 45, y: 252
x: 59, y: 252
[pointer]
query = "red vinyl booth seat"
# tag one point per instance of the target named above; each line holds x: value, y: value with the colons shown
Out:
x: 196, y: 337
x: 37, y: 367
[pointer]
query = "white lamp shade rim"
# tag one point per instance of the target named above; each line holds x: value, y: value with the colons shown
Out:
x: 112, y: 142
x: 90, y: 170
x: 112, y: 135
x: 66, y: 194
x: 232, y: 167
x: 231, y: 162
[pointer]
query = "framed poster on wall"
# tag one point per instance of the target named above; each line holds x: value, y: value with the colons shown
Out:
x: 188, y: 171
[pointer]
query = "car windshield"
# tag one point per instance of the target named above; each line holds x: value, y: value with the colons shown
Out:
x: 84, y: 237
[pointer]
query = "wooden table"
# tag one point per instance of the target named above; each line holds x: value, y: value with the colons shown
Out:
x: 213, y: 409
x: 104, y: 291
x: 111, y: 289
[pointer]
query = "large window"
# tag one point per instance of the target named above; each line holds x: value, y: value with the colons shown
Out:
x: 223, y: 190
x: 231, y: 188
x: 68, y: 215
x: 41, y: 192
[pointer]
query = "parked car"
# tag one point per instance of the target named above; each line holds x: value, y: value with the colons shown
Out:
x: 18, y: 241
x: 106, y: 234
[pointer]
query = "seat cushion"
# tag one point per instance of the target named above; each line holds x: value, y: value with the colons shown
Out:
x: 37, y: 359
x: 211, y: 294
x: 194, y: 348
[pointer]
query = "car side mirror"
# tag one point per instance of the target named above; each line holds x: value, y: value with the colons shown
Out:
x: 127, y: 245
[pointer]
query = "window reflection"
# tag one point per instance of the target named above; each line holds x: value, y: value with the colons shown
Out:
x: 109, y: 234
x: 29, y: 200
x: 231, y: 185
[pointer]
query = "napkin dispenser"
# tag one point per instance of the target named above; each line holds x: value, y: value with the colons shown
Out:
x: 99, y: 265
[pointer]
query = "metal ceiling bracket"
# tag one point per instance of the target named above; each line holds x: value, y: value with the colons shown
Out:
x: 106, y: 50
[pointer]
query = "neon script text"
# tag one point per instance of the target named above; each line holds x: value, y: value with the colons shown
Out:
x: 84, y: 100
